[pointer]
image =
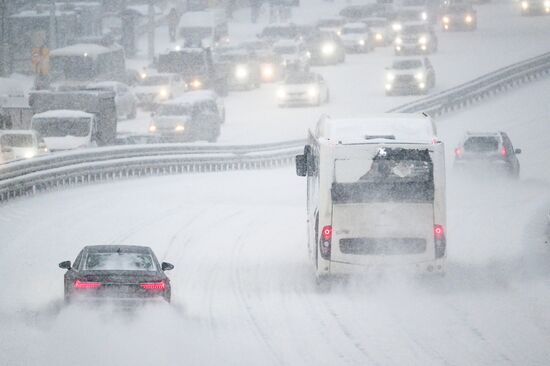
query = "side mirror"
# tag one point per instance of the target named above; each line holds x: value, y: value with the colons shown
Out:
x: 65, y: 265
x: 167, y: 266
x: 517, y: 151
x: 301, y: 165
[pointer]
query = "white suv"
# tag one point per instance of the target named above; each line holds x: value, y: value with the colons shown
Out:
x: 410, y: 76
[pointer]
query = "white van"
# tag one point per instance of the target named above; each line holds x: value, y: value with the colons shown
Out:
x: 376, y: 194
x: 66, y: 129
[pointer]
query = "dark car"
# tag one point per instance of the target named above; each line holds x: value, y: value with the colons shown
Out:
x: 122, y: 273
x: 459, y: 17
x: 488, y: 152
x: 325, y: 48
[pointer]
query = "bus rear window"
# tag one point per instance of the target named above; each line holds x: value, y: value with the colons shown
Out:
x: 391, y: 175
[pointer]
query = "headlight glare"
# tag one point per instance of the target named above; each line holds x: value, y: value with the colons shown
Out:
x: 328, y: 49
x: 423, y: 40
x: 398, y: 40
x: 179, y: 128
x: 468, y: 18
x: 241, y: 72
x: 396, y: 27
x: 446, y: 19
x: 281, y: 93
x: 524, y: 5
x: 163, y: 93
x: 312, y: 92
x: 152, y: 128
x: 419, y: 76
x: 390, y: 76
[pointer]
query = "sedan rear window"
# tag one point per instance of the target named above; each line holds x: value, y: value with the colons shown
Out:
x: 119, y: 262
x: 481, y: 144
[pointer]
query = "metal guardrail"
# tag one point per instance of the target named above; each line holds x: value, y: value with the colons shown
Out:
x: 45, y: 173
x: 480, y: 88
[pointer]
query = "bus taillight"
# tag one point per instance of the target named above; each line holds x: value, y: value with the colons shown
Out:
x: 326, y: 239
x: 440, y: 241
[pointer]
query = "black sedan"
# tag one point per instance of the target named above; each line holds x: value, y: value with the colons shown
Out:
x: 123, y: 273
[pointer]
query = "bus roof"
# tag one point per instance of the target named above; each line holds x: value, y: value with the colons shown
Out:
x: 398, y: 127
x: 63, y: 113
x: 82, y: 49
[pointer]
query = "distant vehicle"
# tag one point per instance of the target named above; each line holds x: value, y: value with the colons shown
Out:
x: 487, y: 152
x: 303, y: 88
x: 122, y: 274
x: 6, y: 153
x: 535, y: 7
x: 325, y: 48
x: 415, y: 38
x: 66, y: 129
x: 459, y: 17
x: 270, y: 64
x: 125, y: 100
x: 157, y: 87
x: 357, y: 12
x: 357, y: 37
x: 293, y: 54
x: 279, y: 31
x: 69, y: 120
x: 87, y: 62
x: 411, y: 14
x: 410, y: 76
x: 24, y: 144
x: 380, y: 30
x: 333, y: 25
x: 242, y: 70
x: 204, y: 28
x: 376, y: 195
x: 196, y: 66
x: 196, y: 116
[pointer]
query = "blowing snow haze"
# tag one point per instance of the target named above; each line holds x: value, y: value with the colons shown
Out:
x: 278, y: 182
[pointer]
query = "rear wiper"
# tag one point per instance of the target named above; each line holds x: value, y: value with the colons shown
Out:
x: 385, y: 137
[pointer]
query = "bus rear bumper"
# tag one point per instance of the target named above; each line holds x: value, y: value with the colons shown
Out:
x: 341, y: 268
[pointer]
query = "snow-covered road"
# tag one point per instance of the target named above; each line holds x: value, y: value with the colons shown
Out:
x: 243, y: 291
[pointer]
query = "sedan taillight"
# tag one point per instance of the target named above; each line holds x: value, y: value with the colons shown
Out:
x: 85, y: 285
x: 153, y: 286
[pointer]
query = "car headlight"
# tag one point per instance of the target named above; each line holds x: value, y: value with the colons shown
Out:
x: 241, y: 72
x: 398, y: 40
x: 423, y: 40
x: 328, y: 49
x: 196, y: 84
x: 424, y: 15
x: 29, y: 154
x: 361, y: 42
x: 285, y: 62
x: 339, y: 32
x: 308, y: 54
x: 179, y: 128
x: 281, y: 93
x: 163, y: 93
x: 396, y: 27
x: 446, y: 19
x: 524, y: 5
x: 177, y: 48
x: 547, y: 4
x: 419, y: 76
x: 378, y: 36
x: 468, y: 18
x: 312, y: 92
x: 143, y: 75
x: 152, y: 128
x: 268, y: 71
x: 390, y: 76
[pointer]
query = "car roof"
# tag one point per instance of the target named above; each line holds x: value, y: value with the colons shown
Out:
x: 117, y: 248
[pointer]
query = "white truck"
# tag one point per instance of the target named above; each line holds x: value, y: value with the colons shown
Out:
x: 375, y: 194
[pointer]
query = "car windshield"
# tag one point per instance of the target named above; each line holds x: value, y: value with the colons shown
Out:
x: 61, y: 127
x: 414, y: 29
x: 154, y: 80
x: 481, y: 144
x: 406, y: 64
x: 16, y: 140
x: 353, y: 30
x: 300, y: 79
x: 279, y: 32
x: 174, y: 110
x: 329, y: 23
x: 118, y: 262
x: 285, y: 50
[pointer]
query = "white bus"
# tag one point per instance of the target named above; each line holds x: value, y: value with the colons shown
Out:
x: 375, y: 194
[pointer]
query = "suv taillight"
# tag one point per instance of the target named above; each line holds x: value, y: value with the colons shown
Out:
x: 85, y: 285
x: 458, y: 152
x: 440, y: 241
x: 503, y: 152
x: 326, y: 238
x: 153, y: 286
